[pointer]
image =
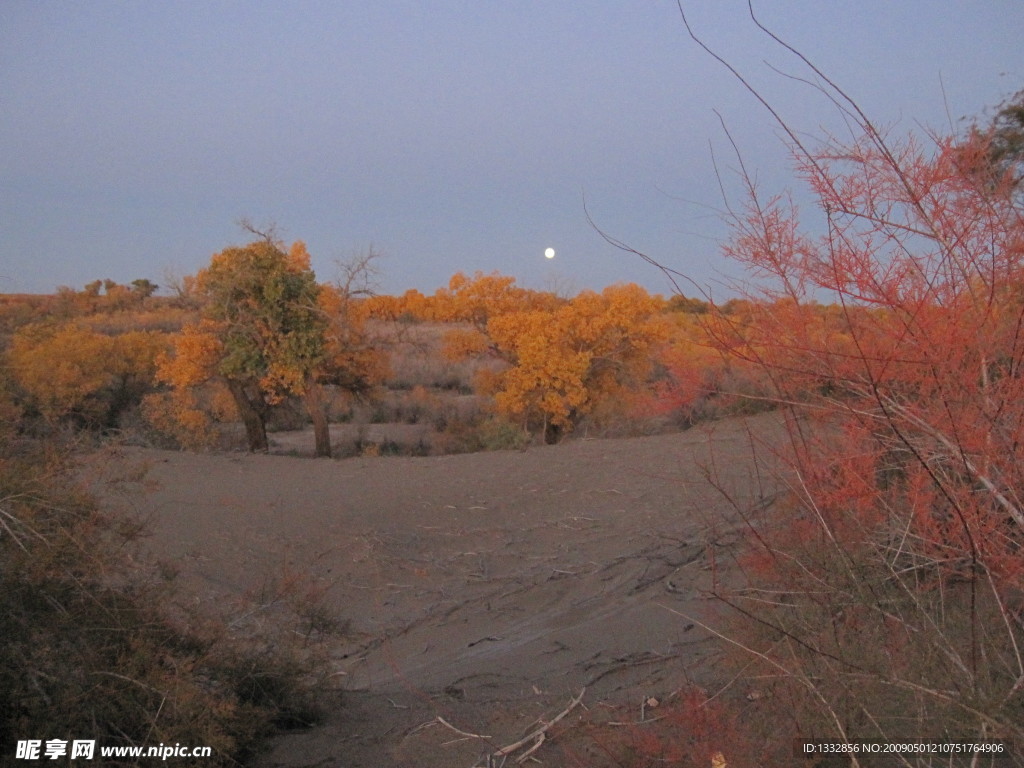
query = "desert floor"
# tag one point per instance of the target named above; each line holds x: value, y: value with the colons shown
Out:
x: 486, y: 589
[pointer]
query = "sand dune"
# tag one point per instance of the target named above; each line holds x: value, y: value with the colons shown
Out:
x: 485, y: 588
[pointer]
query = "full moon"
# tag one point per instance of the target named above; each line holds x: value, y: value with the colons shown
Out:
x: 549, y: 253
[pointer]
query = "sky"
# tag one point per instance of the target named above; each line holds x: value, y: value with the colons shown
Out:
x: 445, y: 135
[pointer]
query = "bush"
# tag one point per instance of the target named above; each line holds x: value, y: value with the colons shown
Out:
x: 91, y: 649
x: 886, y: 595
x: 687, y: 730
x: 491, y: 434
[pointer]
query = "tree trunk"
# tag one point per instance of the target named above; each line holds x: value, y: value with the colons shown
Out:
x: 553, y: 433
x: 253, y: 413
x: 315, y: 408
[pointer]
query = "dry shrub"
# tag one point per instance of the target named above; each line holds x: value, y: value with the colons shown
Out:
x: 416, y: 358
x: 884, y: 592
x: 163, y: 317
x: 866, y: 622
x: 689, y: 730
x: 882, y: 595
x: 94, y: 647
x: 486, y: 433
x: 415, y: 406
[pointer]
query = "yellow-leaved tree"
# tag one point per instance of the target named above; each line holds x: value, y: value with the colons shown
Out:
x: 261, y: 332
x: 70, y: 372
x: 268, y: 331
x: 567, y: 359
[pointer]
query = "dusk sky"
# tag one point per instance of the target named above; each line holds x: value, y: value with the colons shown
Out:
x: 448, y: 135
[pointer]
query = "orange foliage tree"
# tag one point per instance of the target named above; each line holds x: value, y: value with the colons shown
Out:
x: 354, y: 360
x: 70, y: 372
x: 188, y: 367
x: 564, y: 358
x: 104, y: 296
x: 261, y: 332
x: 693, y: 373
x: 269, y: 331
x: 476, y: 299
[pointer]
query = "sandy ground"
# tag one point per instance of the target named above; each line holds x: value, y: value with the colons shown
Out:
x: 487, y: 589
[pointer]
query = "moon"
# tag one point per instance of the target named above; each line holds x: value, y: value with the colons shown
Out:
x: 549, y: 253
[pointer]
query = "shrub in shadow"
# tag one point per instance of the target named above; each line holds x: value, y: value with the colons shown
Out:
x: 95, y: 646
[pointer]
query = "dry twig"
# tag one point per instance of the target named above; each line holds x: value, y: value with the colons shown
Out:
x: 537, y: 736
x: 468, y: 735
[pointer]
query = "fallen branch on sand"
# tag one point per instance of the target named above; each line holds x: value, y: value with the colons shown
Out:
x: 468, y: 735
x: 539, y: 735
